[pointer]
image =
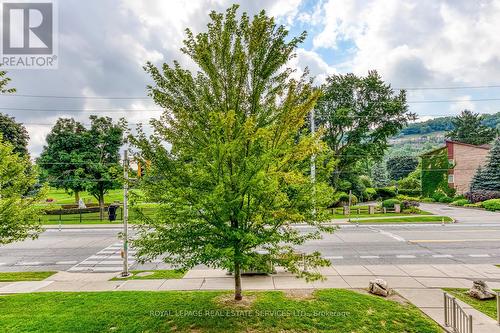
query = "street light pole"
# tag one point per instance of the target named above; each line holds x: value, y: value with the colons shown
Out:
x: 125, y: 271
x: 313, y: 166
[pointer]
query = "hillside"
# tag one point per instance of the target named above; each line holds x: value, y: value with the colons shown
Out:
x: 444, y: 124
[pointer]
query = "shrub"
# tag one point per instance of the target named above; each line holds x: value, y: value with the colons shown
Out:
x: 428, y: 200
x: 341, y: 199
x: 385, y: 193
x: 370, y: 193
x: 482, y: 196
x: 407, y: 198
x: 460, y: 202
x: 445, y: 199
x: 407, y: 204
x: 412, y: 210
x: 475, y: 205
x: 389, y: 203
x: 409, y: 191
x: 492, y: 204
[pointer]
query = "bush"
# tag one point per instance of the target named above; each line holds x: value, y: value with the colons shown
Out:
x: 389, y: 203
x: 385, y: 193
x: 410, y: 192
x: 445, y: 199
x: 475, y: 205
x: 370, y: 193
x: 460, y: 202
x: 482, y: 196
x: 412, y: 210
x: 341, y: 199
x: 428, y: 200
x: 407, y: 204
x: 407, y: 198
x: 492, y: 204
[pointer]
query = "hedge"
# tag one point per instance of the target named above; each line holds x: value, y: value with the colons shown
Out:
x: 492, y: 204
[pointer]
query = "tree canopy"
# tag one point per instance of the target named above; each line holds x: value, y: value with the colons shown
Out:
x: 359, y: 114
x: 15, y: 133
x: 487, y: 178
x: 468, y: 128
x: 236, y: 176
x: 76, y: 158
x: 401, y: 166
x: 18, y: 209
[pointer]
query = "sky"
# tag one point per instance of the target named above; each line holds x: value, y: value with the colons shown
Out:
x: 103, y: 45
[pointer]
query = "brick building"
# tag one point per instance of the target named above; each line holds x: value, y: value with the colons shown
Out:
x: 462, y: 162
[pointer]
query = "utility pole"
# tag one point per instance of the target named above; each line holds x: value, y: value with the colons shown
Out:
x: 125, y: 271
x: 313, y: 166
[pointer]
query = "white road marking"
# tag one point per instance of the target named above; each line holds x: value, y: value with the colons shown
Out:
x: 25, y: 263
x: 369, y: 257
x: 328, y: 257
x: 71, y: 262
x: 479, y: 255
x: 388, y: 234
x: 3, y: 263
x: 442, y: 256
x: 405, y: 256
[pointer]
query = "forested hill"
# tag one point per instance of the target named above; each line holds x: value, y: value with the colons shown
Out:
x: 445, y: 124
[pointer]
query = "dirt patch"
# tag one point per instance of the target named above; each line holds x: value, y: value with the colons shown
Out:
x: 300, y: 294
x: 228, y: 301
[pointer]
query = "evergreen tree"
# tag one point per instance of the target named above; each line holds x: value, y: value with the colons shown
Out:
x: 468, y: 128
x: 488, y: 178
x: 379, y: 175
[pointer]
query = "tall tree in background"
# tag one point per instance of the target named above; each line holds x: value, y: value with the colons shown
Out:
x: 15, y: 133
x: 468, y: 128
x: 63, y: 158
x: 18, y: 209
x: 401, y: 166
x: 487, y: 178
x: 12, y: 132
x: 76, y: 158
x: 233, y: 181
x: 104, y: 139
x: 359, y: 114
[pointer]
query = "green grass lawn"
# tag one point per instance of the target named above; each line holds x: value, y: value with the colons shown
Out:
x: 328, y: 311
x: 61, y: 197
x: 24, y: 276
x: 158, y: 274
x: 488, y: 307
x: 407, y: 219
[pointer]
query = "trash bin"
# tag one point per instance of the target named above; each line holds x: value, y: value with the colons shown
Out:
x: 112, y: 209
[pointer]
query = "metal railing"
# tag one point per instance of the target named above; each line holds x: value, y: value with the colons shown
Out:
x: 455, y: 317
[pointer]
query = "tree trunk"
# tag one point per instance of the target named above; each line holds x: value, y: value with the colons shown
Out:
x: 77, y: 196
x: 101, y: 207
x: 237, y: 282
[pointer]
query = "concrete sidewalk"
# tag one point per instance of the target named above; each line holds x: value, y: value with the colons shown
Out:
x: 430, y: 302
x: 419, y: 284
x: 349, y: 276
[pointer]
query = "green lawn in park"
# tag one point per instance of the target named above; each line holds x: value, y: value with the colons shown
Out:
x: 328, y: 310
x: 24, y: 276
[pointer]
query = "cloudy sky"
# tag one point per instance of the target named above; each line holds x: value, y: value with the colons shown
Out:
x: 103, y: 45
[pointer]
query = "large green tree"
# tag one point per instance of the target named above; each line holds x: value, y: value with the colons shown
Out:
x: 76, y: 158
x: 18, y: 209
x: 487, y: 178
x: 359, y: 114
x: 401, y: 166
x: 468, y: 128
x: 64, y: 156
x: 102, y: 168
x: 15, y: 133
x: 233, y: 181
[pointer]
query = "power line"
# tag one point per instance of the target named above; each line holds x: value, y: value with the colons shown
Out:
x: 449, y: 87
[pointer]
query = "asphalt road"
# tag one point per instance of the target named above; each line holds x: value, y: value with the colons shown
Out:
x: 377, y: 244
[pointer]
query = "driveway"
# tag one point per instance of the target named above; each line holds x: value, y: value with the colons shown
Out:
x: 460, y: 214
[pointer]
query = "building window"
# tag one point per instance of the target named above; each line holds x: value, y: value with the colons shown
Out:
x: 451, y: 179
